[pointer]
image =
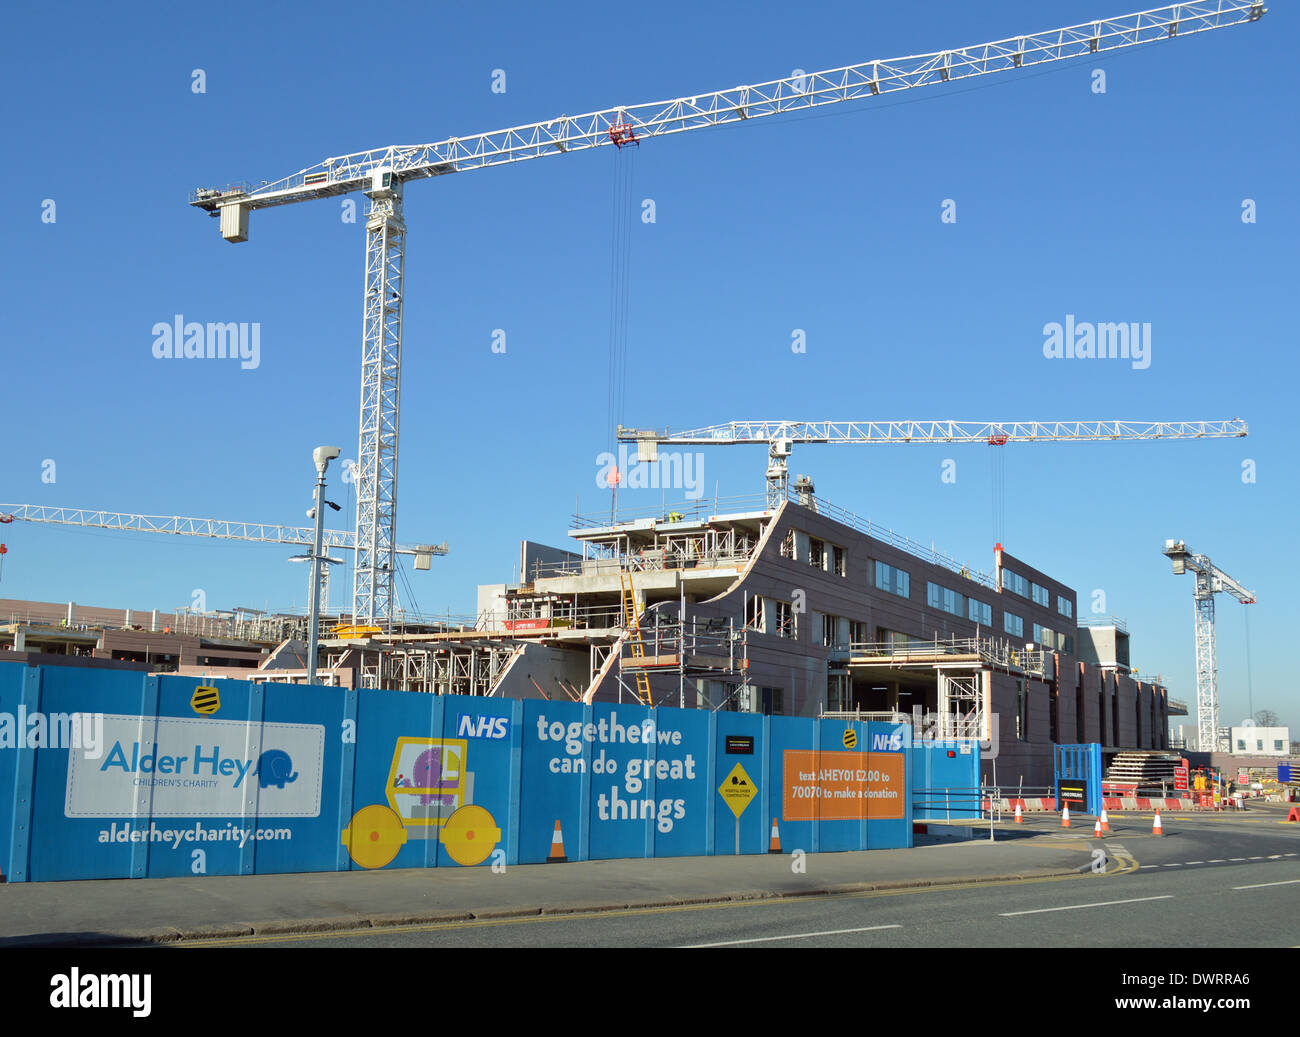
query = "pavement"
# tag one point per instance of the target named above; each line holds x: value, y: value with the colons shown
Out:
x: 160, y: 911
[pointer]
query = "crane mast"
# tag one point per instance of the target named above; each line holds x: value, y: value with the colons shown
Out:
x: 381, y: 173
x: 1210, y: 580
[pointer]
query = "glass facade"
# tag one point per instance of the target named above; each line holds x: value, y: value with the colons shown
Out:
x: 1015, y: 583
x: 895, y: 581
x: 1042, y: 596
x: 1065, y: 607
x: 1013, y: 624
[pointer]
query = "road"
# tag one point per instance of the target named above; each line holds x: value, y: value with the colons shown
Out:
x: 1212, y: 881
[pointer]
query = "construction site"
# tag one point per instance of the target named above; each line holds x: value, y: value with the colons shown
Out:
x: 774, y: 603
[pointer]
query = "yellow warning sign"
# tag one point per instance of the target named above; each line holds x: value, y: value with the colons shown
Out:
x: 850, y: 738
x: 737, y: 790
x: 205, y: 700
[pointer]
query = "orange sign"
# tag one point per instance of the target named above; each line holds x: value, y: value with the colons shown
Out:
x: 842, y: 786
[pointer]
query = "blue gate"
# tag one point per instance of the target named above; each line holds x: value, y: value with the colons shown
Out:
x: 1078, y: 776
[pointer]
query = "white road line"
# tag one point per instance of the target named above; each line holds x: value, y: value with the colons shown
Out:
x: 1173, y: 865
x: 1236, y: 859
x: 1275, y: 857
x: 1288, y: 855
x: 1079, y: 907
x: 792, y: 936
x: 1219, y: 861
x: 1254, y: 858
x: 1195, y: 862
x: 1145, y: 866
x: 1261, y: 885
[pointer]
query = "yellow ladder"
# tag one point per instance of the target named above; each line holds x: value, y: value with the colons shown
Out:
x: 633, y: 628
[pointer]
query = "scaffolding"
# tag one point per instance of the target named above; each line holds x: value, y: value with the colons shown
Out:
x: 695, y: 649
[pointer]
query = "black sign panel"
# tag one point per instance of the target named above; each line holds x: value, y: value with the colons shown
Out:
x: 1074, y: 792
x: 740, y: 745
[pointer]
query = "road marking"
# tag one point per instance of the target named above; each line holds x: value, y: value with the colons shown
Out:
x: 1145, y: 866
x: 1079, y: 907
x: 1236, y: 860
x: 1219, y: 861
x: 1195, y: 862
x: 1261, y: 885
x: 1254, y: 858
x: 1275, y: 857
x: 1173, y: 865
x: 792, y: 936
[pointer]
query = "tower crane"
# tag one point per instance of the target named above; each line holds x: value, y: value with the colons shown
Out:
x: 382, y: 174
x: 780, y: 436
x: 218, y: 529
x: 1210, y: 580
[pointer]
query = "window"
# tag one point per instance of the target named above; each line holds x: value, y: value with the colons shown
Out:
x: 816, y: 553
x: 1241, y: 745
x: 895, y: 581
x: 858, y: 632
x: 978, y: 612
x: 839, y: 560
x: 947, y: 600
x: 1069, y: 645
x: 1013, y: 624
x: 1277, y: 745
x: 1015, y: 583
x: 754, y: 615
x: 1065, y: 607
x: 830, y: 628
x: 1042, y: 596
x: 787, y: 545
x: 1259, y: 745
x: 786, y: 625
x: 1044, y: 636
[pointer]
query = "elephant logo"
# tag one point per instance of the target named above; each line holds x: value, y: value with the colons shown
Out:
x: 275, y: 767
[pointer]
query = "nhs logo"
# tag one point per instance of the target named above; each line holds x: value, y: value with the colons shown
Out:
x: 890, y: 743
x: 470, y: 725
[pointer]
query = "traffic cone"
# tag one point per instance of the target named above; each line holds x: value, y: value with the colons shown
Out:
x: 1105, y: 821
x: 1155, y: 825
x: 774, y: 846
x: 557, y: 847
x: 1019, y: 819
x: 1065, y: 816
x: 1096, y: 830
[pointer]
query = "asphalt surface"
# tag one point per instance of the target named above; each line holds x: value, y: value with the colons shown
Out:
x: 1212, y: 880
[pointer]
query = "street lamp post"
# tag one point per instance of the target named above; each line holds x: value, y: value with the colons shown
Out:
x: 322, y: 455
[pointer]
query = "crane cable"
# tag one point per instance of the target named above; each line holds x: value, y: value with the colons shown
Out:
x: 620, y: 283
x: 1250, y: 691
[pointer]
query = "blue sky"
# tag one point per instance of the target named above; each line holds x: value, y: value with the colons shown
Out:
x: 1122, y: 206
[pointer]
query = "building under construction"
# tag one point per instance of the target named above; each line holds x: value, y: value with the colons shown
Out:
x: 797, y: 609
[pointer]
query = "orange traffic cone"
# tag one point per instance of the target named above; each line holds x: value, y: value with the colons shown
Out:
x: 1065, y: 816
x: 1096, y: 830
x: 1294, y: 815
x: 774, y: 846
x: 1105, y: 821
x: 557, y: 847
x: 1019, y: 819
x: 1155, y: 825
